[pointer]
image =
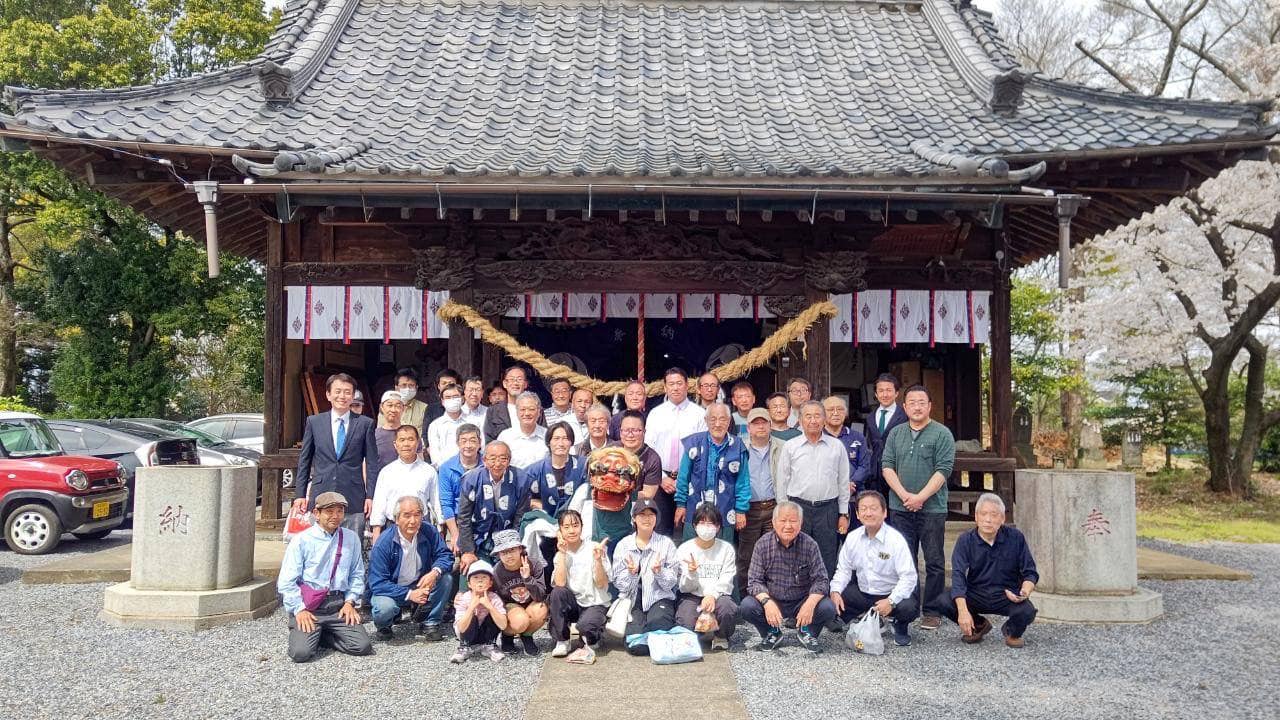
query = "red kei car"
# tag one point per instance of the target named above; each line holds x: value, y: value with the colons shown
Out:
x: 44, y: 492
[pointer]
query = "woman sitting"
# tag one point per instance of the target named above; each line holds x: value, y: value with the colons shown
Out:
x: 645, y: 568
x: 707, y: 569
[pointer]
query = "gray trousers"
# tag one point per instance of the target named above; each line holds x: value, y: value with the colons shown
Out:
x: 331, y: 631
x: 354, y: 521
x: 821, y: 522
x: 726, y: 613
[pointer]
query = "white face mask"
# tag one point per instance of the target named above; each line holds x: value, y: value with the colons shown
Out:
x: 453, y: 405
x: 705, y: 531
x: 408, y: 394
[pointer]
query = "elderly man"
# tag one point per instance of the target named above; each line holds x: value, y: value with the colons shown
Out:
x: 875, y: 570
x: 633, y: 398
x: 321, y: 580
x: 743, y: 397
x: 411, y: 569
x: 339, y: 448
x: 668, y: 425
x: 887, y: 415
x: 390, y: 410
x: 473, y: 407
x: 407, y: 475
x: 814, y: 472
x: 467, y: 459
x: 917, y: 460
x: 855, y: 444
x: 501, y: 416
x: 528, y: 439
x: 415, y: 411
x: 708, y: 389
x: 799, y: 392
x: 713, y: 469
x: 597, y: 430
x: 992, y: 571
x: 780, y: 417
x: 442, y: 433
x: 763, y: 452
x: 492, y: 497
x: 561, y: 401
x: 787, y: 581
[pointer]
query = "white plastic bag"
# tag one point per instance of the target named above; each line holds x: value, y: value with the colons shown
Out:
x: 297, y: 521
x: 864, y: 635
x: 677, y: 645
x: 619, y: 615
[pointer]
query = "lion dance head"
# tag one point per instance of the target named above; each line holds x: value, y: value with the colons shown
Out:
x: 613, y: 472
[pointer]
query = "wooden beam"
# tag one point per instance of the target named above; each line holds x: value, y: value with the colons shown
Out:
x: 1001, y: 369
x: 273, y: 370
x: 461, y: 339
x: 818, y: 341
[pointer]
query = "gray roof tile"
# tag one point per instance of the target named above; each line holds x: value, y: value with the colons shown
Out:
x: 635, y: 88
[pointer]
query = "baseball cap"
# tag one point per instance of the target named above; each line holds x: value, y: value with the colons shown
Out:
x: 757, y: 414
x: 643, y: 504
x: 480, y: 566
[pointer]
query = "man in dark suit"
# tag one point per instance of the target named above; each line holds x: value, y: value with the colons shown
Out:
x: 336, y: 446
x: 887, y: 415
x: 500, y: 415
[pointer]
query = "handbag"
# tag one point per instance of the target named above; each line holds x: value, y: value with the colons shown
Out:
x: 864, y: 635
x: 311, y: 597
x: 619, y: 615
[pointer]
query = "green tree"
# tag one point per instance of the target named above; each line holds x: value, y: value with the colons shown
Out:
x: 1159, y: 402
x: 1039, y: 372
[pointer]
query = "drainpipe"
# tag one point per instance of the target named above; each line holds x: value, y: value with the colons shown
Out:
x: 1067, y: 207
x: 207, y: 195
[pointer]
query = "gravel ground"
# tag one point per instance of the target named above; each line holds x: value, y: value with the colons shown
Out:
x: 62, y: 662
x: 1213, y: 654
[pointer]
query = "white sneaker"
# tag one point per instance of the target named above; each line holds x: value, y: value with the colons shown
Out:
x: 719, y: 643
x: 459, y: 657
x: 494, y: 653
x: 562, y: 649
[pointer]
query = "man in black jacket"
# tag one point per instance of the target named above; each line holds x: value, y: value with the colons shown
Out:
x: 336, y: 447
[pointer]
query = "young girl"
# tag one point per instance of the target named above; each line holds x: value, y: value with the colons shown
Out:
x: 707, y: 569
x: 523, y: 590
x: 480, y: 615
x: 580, y: 591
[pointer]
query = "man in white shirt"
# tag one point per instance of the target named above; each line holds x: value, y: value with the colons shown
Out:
x: 814, y: 472
x: 561, y: 402
x: 472, y: 396
x: 597, y: 435
x: 404, y: 476
x: 878, y: 557
x: 442, y: 433
x: 528, y: 439
x: 665, y: 429
x: 577, y: 419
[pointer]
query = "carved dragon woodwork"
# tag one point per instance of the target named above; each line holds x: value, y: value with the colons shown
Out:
x: 444, y: 268
x: 602, y: 239
x: 839, y: 271
x: 494, y: 304
x: 786, y: 306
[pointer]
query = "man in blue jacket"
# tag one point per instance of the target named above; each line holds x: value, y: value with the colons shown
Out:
x: 410, y: 568
x: 713, y: 469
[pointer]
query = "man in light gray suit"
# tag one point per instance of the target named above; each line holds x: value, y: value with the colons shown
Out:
x: 336, y: 446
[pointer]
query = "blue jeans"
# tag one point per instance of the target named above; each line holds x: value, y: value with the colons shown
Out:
x: 386, y: 609
x: 925, y: 531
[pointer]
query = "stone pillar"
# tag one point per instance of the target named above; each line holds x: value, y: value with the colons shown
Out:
x: 1082, y: 529
x: 192, y: 563
x: 1131, y: 449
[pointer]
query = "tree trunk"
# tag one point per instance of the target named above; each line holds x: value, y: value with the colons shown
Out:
x: 8, y: 312
x: 1225, y: 475
x: 1168, y: 457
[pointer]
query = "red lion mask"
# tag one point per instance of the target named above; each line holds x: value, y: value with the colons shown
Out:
x: 612, y: 472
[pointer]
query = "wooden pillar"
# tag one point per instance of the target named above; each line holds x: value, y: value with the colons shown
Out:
x: 461, y: 338
x: 491, y: 358
x: 273, y: 369
x: 818, y: 339
x: 1001, y: 369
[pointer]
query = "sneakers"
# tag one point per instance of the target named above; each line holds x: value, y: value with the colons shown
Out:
x: 431, y: 633
x: 770, y: 641
x: 493, y: 653
x: 981, y: 626
x: 835, y: 625
x: 901, y: 634
x: 930, y: 622
x: 384, y: 634
x: 530, y: 647
x: 809, y: 641
x: 582, y: 656
x: 561, y: 649
x: 460, y: 656
x: 719, y: 643
x: 508, y: 644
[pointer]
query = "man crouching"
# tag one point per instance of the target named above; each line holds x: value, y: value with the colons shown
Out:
x: 410, y: 568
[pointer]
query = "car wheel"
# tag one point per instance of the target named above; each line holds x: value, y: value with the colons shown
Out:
x: 32, y: 530
x: 286, y: 479
x: 95, y: 535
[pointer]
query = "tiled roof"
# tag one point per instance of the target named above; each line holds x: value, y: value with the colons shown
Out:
x: 753, y: 91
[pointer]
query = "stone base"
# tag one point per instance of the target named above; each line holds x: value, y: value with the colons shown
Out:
x: 1142, y: 606
x: 188, y: 609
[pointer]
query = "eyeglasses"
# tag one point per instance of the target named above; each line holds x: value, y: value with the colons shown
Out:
x: 630, y: 431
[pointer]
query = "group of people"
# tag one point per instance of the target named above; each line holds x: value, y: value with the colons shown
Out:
x: 781, y: 516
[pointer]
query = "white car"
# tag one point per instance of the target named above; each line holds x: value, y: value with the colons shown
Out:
x: 243, y: 429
